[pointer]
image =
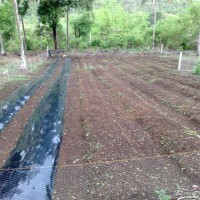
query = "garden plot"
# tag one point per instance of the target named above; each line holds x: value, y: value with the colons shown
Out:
x: 12, y: 132
x: 11, y: 105
x: 36, y: 152
x: 132, y: 130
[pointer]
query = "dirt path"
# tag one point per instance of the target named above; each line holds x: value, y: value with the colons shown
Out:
x: 131, y: 129
x: 12, y: 132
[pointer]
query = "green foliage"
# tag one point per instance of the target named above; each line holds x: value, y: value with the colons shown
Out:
x: 194, y: 13
x: 79, y: 43
x: 173, y: 32
x: 115, y: 28
x: 7, y: 20
x: 23, y: 6
x: 170, y: 31
x: 12, y: 45
x: 162, y: 195
x: 197, y: 69
x: 50, y: 12
x: 82, y: 25
x: 113, y: 24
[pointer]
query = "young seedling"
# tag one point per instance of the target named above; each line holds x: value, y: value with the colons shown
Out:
x: 162, y: 195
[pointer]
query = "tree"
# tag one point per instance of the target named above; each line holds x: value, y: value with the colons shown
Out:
x: 114, y: 27
x: 7, y: 25
x: 82, y: 25
x: 3, y: 52
x: 2, y: 44
x: 83, y: 4
x: 195, y: 17
x: 23, y: 67
x: 174, y: 31
x: 50, y: 12
x: 23, y: 6
x: 154, y: 5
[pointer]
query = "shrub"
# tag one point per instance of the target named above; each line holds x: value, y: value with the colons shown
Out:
x: 96, y: 42
x: 197, y: 69
x: 79, y: 43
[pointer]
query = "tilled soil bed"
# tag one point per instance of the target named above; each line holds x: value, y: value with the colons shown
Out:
x: 132, y: 130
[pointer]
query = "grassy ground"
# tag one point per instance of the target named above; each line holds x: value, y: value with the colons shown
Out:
x: 9, y: 74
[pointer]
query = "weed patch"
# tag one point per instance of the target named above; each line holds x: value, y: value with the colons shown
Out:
x: 196, y: 70
x: 172, y: 105
x: 162, y: 195
x: 151, y: 81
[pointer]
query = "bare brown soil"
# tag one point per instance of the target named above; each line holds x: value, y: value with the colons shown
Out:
x: 132, y: 127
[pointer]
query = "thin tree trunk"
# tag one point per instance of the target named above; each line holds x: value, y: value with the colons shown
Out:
x: 23, y: 67
x: 75, y: 34
x: 3, y: 52
x: 67, y: 29
x: 198, y: 50
x: 55, y: 38
x: 24, y: 32
x: 90, y: 37
x: 155, y: 20
x: 91, y: 31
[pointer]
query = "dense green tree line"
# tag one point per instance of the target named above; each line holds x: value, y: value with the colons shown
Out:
x: 101, y: 24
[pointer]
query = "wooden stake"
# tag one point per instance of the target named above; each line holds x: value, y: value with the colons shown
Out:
x: 161, y: 50
x: 180, y: 60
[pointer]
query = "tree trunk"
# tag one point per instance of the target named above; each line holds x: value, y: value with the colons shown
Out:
x: 55, y: 37
x: 91, y: 30
x: 3, y: 52
x: 58, y: 46
x: 67, y: 28
x: 198, y: 49
x: 23, y: 68
x: 90, y: 37
x: 75, y: 33
x: 155, y: 20
x: 24, y: 32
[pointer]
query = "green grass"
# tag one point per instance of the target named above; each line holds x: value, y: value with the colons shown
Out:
x: 18, y: 78
x: 35, y: 67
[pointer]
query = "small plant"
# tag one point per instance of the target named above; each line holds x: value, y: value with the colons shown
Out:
x: 88, y: 158
x: 172, y: 105
x: 88, y: 67
x: 162, y: 195
x: 98, y: 146
x: 197, y: 69
x: 151, y: 81
x: 117, y: 94
x: 190, y: 132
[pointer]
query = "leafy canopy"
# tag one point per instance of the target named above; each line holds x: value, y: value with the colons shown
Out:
x: 7, y: 20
